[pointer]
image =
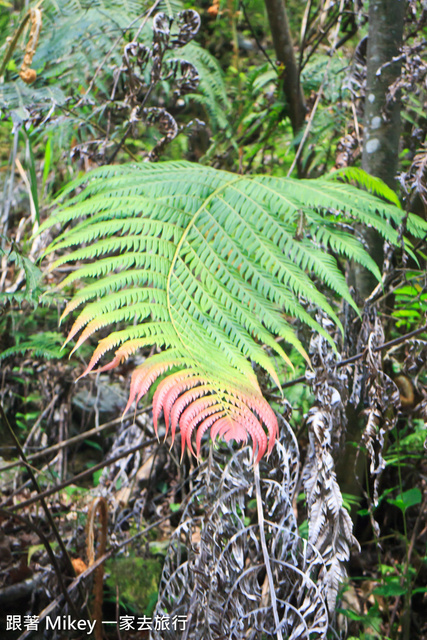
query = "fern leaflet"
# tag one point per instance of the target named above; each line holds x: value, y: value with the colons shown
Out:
x: 213, y: 268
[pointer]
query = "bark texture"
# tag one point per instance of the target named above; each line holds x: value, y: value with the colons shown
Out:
x: 381, y: 131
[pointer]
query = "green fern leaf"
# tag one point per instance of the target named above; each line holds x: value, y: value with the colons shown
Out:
x: 213, y: 268
x: 46, y: 345
x: 370, y: 183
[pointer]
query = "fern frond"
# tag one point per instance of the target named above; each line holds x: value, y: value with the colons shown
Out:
x: 370, y: 183
x: 214, y: 268
x: 44, y: 345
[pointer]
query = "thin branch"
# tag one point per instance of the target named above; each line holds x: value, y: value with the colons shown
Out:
x: 407, y: 562
x: 76, y: 583
x: 73, y: 440
x: 308, y: 126
x: 320, y: 92
x: 79, y: 476
x: 93, y: 124
x: 39, y: 497
x: 115, y: 43
x: 304, y: 28
x: 142, y: 25
x: 358, y: 356
x: 38, y: 421
x: 6, y: 513
x: 251, y: 29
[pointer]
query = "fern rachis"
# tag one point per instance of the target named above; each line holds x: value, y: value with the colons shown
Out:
x: 205, y: 264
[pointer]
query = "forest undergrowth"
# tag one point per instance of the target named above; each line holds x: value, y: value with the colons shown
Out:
x: 250, y: 462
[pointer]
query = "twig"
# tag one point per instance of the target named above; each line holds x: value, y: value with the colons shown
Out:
x: 96, y: 126
x: 308, y: 126
x: 320, y: 92
x: 343, y: 363
x: 251, y: 29
x: 79, y: 476
x: 73, y: 440
x: 407, y: 562
x: 40, y: 497
x: 76, y: 583
x: 115, y: 43
x: 142, y: 25
x: 8, y: 514
x: 38, y: 421
x: 323, y: 35
x: 304, y: 28
x: 98, y: 506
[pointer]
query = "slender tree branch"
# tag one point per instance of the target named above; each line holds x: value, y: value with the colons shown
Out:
x: 358, y: 356
x: 319, y: 93
x: 66, y: 557
x: 251, y: 29
x: 76, y: 583
x: 8, y: 514
x: 81, y: 436
x: 79, y: 476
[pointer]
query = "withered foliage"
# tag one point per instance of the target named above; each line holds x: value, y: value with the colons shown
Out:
x: 145, y: 67
x: 216, y: 570
x: 379, y: 393
x: 330, y: 526
x: 225, y: 555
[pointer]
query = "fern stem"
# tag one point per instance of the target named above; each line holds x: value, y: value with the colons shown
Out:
x: 179, y: 247
x: 13, y: 43
x: 259, y: 505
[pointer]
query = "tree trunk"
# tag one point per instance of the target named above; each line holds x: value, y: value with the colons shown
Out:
x: 284, y: 50
x: 381, y: 136
x: 381, y: 131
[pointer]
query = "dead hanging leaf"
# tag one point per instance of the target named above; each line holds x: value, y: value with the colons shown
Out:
x: 329, y: 524
x: 26, y: 74
x: 214, y: 9
x: 78, y: 565
x: 123, y: 496
x: 145, y: 470
x: 382, y: 395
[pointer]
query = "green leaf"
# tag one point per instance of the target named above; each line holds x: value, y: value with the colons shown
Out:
x: 370, y: 183
x: 391, y: 588
x: 407, y: 499
x: 47, y: 160
x: 97, y: 477
x: 94, y: 445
